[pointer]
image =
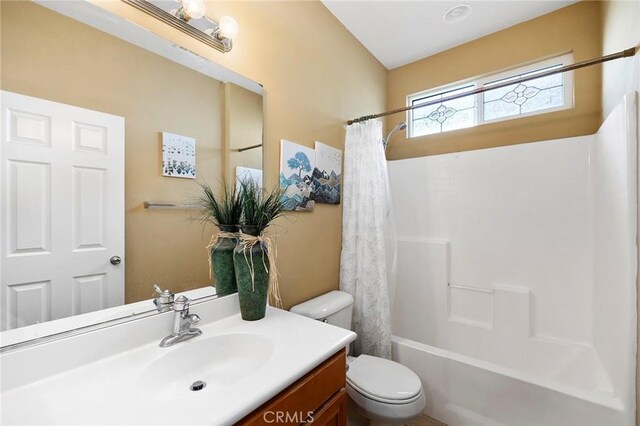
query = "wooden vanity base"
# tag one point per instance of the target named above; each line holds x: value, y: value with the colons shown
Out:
x: 319, y: 398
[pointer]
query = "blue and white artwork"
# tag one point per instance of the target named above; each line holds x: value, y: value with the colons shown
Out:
x: 296, y: 176
x: 178, y: 156
x: 327, y: 174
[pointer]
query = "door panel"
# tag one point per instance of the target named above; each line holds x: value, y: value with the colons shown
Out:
x: 89, y: 138
x: 89, y: 204
x: 29, y: 217
x: 62, y: 214
x: 28, y: 303
x: 28, y: 128
x: 89, y: 293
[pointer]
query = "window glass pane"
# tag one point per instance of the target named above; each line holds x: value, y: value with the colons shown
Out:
x: 546, y: 82
x: 499, y: 109
x: 462, y: 119
x: 442, y: 117
x: 541, y: 70
x: 547, y: 98
x: 523, y: 98
x: 461, y: 103
x: 425, y: 127
x: 496, y: 94
x: 420, y: 113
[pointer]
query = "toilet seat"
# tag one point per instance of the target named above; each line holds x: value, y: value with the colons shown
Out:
x: 364, y: 394
x: 386, y: 413
x: 383, y: 380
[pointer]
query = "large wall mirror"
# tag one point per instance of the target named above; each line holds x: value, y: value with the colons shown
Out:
x: 89, y: 220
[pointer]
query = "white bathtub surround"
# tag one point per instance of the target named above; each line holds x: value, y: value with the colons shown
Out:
x: 614, y: 210
x: 516, y: 301
x: 119, y: 375
x: 365, y: 228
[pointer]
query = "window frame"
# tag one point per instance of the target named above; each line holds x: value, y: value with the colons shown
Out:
x: 567, y: 81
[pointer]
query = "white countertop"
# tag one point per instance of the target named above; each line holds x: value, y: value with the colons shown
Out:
x: 115, y: 389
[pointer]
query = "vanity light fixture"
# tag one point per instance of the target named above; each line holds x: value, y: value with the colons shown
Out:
x: 189, y: 9
x: 189, y: 17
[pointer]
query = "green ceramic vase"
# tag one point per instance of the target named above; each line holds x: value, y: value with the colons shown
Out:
x: 222, y: 262
x: 252, y: 293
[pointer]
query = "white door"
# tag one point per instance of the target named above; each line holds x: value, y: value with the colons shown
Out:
x: 61, y: 211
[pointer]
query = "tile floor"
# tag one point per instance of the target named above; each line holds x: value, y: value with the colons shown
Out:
x: 426, y: 421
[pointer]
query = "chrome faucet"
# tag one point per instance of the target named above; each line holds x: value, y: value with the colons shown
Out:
x: 164, y: 299
x: 182, y: 323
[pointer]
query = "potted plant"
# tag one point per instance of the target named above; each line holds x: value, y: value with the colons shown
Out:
x: 254, y: 256
x: 224, y: 211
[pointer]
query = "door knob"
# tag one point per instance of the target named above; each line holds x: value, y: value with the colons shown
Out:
x: 115, y: 260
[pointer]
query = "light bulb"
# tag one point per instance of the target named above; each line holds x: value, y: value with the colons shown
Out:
x: 194, y: 9
x: 228, y: 27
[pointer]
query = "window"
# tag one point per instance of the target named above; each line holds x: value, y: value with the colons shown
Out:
x: 537, y: 96
x: 438, y: 118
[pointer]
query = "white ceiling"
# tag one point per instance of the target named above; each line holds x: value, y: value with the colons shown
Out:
x: 400, y: 32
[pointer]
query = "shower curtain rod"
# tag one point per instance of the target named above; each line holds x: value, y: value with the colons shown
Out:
x: 622, y: 54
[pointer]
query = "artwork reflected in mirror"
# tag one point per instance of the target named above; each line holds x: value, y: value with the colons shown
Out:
x: 84, y: 152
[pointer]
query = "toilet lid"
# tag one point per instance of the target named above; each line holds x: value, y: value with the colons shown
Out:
x: 382, y: 379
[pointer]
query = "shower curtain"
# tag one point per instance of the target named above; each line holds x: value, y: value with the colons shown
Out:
x: 367, y: 257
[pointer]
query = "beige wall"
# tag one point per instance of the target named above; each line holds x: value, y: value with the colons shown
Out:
x: 316, y: 76
x: 53, y: 57
x: 575, y: 28
x: 621, y: 30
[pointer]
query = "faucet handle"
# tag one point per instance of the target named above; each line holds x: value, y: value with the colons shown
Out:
x: 194, y: 318
x: 164, y: 299
x: 181, y: 303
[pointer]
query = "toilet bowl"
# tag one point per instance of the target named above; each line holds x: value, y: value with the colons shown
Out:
x: 379, y: 389
x: 383, y: 390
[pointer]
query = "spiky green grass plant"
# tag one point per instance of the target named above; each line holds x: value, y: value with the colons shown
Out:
x: 222, y: 209
x: 259, y: 207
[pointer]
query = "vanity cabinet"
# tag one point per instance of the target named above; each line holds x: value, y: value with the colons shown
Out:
x: 319, y: 398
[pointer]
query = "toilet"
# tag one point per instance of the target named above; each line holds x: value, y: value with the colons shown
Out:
x: 380, y: 390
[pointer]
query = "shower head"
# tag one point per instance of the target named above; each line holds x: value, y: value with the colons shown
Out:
x: 399, y: 126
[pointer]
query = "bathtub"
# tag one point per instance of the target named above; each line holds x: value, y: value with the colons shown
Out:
x: 480, y: 359
x: 515, y: 293
x: 461, y: 390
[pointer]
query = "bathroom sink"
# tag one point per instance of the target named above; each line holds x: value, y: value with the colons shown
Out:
x: 218, y: 361
x: 243, y: 364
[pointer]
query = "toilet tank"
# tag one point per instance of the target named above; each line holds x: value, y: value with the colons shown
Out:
x: 334, y: 308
